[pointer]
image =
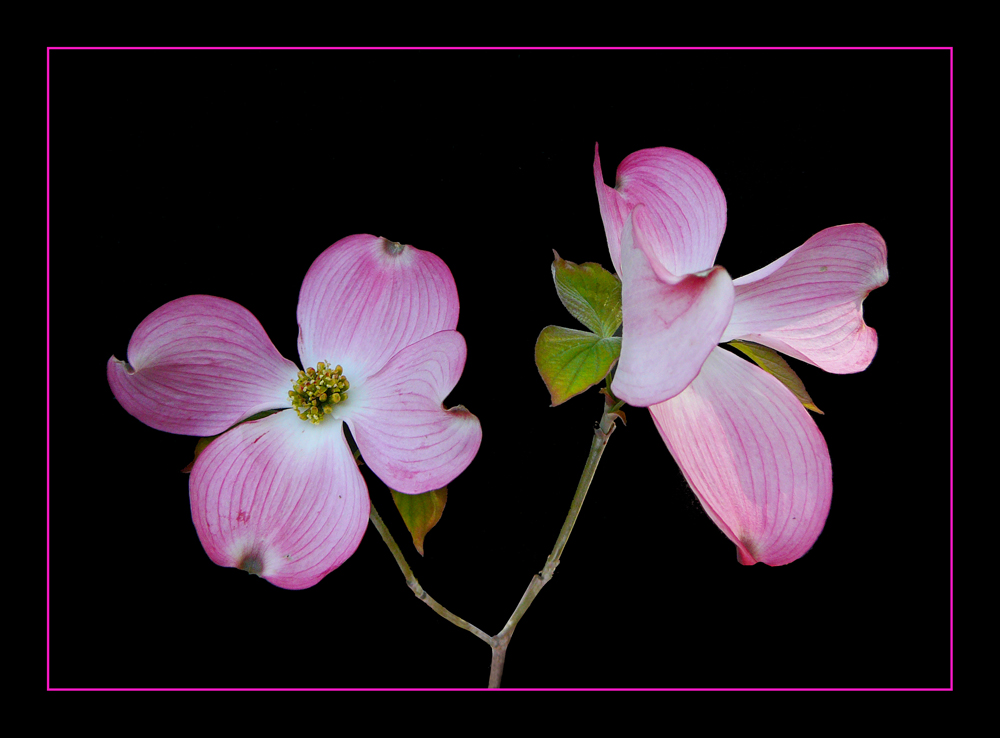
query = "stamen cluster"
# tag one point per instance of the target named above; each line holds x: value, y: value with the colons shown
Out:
x: 316, y: 391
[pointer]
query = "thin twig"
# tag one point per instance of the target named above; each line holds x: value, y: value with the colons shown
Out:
x: 413, y: 584
x: 500, y: 641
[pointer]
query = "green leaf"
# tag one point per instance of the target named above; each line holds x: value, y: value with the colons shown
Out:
x: 420, y: 512
x: 772, y: 362
x: 570, y: 361
x: 591, y: 293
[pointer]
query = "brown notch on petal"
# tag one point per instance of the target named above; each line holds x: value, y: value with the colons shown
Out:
x: 751, y: 555
x: 129, y: 369
x: 252, y: 562
x: 392, y: 247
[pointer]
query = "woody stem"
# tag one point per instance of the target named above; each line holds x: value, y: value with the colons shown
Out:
x: 413, y: 584
x: 500, y: 641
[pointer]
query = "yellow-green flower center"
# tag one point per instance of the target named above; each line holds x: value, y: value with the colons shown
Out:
x: 315, y: 391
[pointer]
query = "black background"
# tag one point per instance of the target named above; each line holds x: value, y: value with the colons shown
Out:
x: 228, y: 172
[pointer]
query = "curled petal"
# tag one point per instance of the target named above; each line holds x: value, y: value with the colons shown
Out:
x: 807, y: 304
x: 404, y: 433
x: 670, y: 324
x: 753, y: 456
x: 365, y: 298
x: 198, y: 365
x: 280, y: 498
x: 686, y: 205
x: 614, y: 212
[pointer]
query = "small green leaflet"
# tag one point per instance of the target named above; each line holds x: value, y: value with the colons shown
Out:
x: 772, y: 362
x: 592, y: 294
x: 571, y: 361
x: 420, y: 512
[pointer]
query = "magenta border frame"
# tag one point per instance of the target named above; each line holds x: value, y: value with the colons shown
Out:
x: 951, y: 362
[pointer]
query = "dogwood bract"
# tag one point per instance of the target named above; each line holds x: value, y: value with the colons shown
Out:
x: 282, y: 496
x: 746, y: 445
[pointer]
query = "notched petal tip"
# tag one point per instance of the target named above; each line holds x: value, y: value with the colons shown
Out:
x: 393, y: 248
x: 252, y: 562
x: 746, y: 552
x: 129, y: 369
x: 614, y: 210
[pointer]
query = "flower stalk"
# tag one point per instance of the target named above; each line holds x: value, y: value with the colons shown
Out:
x: 413, y: 584
x: 499, y: 642
x: 602, y: 433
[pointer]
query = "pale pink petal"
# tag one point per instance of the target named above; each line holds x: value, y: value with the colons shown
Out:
x: 614, y: 212
x: 669, y: 323
x: 686, y: 204
x: 807, y: 304
x: 198, y: 365
x: 281, y: 498
x: 753, y: 456
x: 403, y: 432
x: 365, y: 298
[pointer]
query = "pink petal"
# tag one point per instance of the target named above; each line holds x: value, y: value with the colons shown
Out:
x: 281, y: 498
x: 614, y: 212
x: 404, y: 433
x: 807, y: 304
x: 686, y: 204
x: 753, y: 456
x: 198, y: 365
x: 669, y: 324
x: 365, y: 298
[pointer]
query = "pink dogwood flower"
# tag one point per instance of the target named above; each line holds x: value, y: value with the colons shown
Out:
x: 748, y: 448
x: 282, y: 496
